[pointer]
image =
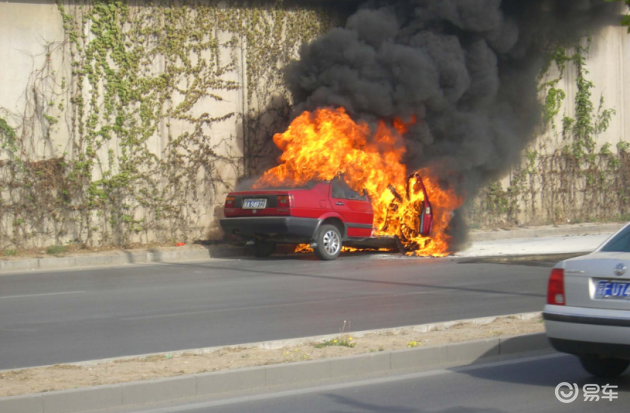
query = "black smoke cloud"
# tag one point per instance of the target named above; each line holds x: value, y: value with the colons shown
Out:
x: 466, y: 68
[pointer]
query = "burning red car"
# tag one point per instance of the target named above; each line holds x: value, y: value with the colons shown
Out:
x: 320, y: 146
x: 326, y: 215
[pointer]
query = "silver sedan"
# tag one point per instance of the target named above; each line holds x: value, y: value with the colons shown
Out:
x: 588, y: 307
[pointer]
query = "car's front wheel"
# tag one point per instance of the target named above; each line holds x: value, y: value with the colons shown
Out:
x: 604, y: 367
x: 328, y: 243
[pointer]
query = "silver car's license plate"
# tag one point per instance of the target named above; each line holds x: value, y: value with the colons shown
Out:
x: 613, y: 290
x: 254, y: 203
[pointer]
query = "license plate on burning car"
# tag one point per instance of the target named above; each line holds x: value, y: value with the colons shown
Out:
x: 254, y: 203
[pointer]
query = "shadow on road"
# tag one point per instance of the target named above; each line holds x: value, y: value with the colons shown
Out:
x: 310, y: 256
x: 355, y: 405
x: 543, y: 373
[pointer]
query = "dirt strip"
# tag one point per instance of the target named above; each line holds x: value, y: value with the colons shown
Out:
x: 69, y: 376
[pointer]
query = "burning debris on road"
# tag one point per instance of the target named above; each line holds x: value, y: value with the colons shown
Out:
x: 446, y: 88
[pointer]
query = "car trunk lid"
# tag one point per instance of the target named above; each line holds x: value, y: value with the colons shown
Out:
x: 258, y: 203
x: 592, y: 281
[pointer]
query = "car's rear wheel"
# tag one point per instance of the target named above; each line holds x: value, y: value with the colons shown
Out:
x: 328, y: 243
x: 604, y: 367
x: 263, y: 249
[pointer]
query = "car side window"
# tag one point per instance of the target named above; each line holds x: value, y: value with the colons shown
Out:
x: 341, y: 190
x: 337, y: 190
x: 620, y: 243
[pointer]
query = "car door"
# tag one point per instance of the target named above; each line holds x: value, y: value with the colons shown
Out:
x: 355, y: 209
x: 426, y: 214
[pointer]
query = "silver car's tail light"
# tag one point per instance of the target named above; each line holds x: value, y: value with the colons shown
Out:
x: 555, y: 292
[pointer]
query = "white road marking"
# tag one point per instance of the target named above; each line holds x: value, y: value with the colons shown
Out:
x: 41, y: 295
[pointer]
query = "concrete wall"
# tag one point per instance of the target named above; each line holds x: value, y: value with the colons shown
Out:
x: 25, y: 29
x: 28, y: 34
x: 36, y: 63
x: 544, y: 199
x: 609, y: 52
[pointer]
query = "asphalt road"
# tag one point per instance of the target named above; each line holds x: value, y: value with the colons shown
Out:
x: 65, y: 316
x: 511, y: 386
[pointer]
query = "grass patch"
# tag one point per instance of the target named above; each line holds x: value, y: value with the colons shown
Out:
x: 336, y: 342
x: 56, y: 250
x: 10, y: 253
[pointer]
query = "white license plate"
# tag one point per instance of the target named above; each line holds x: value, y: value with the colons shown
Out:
x: 254, y: 203
x: 613, y: 290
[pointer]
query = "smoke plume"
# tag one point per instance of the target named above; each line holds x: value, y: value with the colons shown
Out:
x: 466, y: 68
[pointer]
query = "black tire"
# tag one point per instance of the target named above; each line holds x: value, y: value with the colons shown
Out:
x: 604, y: 367
x: 329, y: 243
x: 263, y: 249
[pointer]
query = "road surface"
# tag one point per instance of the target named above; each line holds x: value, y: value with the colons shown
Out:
x: 525, y: 385
x: 75, y: 315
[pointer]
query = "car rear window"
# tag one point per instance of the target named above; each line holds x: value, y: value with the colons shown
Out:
x: 308, y: 185
x: 620, y: 243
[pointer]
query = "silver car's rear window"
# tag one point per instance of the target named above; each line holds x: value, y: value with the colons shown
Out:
x: 620, y: 243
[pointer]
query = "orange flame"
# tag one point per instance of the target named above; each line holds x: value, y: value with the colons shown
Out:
x: 323, y: 144
x: 305, y: 248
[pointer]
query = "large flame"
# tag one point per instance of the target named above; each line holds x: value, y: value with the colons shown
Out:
x: 323, y: 144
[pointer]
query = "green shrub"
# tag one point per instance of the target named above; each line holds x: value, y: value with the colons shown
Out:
x: 341, y: 342
x: 56, y: 250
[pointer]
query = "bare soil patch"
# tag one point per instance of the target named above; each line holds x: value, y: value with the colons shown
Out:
x: 69, y: 376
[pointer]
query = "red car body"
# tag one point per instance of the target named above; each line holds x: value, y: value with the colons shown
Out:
x: 296, y: 215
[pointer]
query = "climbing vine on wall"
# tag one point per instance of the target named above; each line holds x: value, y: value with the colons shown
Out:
x: 566, y: 177
x: 134, y: 105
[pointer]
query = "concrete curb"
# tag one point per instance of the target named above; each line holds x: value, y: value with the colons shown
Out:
x: 520, y: 258
x: 559, y: 231
x: 208, y: 384
x: 122, y: 258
